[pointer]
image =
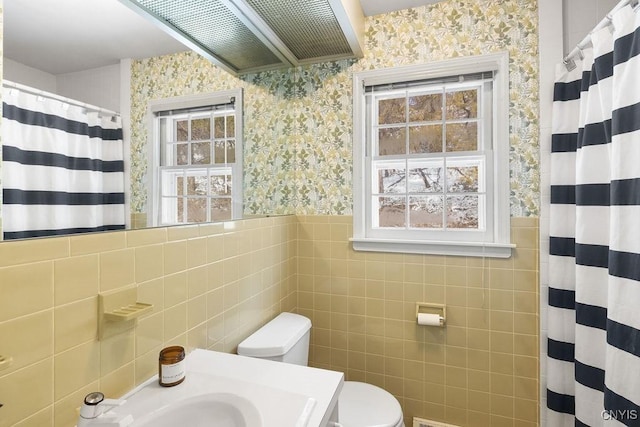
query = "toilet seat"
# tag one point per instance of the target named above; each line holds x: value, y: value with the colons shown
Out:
x: 365, y: 405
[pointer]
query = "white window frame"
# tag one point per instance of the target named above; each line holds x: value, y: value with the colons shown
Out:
x: 495, y: 242
x: 193, y: 102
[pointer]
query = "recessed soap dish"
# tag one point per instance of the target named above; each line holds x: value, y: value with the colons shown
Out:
x: 128, y: 312
x: 5, y: 362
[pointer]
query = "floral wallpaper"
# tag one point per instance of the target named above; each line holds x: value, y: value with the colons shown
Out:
x: 298, y: 123
x: 157, y: 78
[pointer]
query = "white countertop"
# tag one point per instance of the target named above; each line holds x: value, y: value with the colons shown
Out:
x: 284, y: 392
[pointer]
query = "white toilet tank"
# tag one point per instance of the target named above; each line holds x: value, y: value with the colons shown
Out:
x: 283, y: 339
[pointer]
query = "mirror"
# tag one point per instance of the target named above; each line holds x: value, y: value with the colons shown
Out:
x: 79, y: 50
x: 285, y: 139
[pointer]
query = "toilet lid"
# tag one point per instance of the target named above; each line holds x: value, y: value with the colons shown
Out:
x: 365, y: 405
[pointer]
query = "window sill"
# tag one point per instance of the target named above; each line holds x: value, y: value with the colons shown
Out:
x: 472, y: 249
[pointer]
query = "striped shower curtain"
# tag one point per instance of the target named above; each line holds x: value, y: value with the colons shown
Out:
x: 593, y: 363
x: 62, y: 168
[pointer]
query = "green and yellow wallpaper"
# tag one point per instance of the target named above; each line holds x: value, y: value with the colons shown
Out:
x: 298, y: 124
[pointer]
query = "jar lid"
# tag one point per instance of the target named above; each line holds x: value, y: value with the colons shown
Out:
x: 172, y: 352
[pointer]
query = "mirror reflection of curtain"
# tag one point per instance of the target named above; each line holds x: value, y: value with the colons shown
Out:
x: 62, y: 169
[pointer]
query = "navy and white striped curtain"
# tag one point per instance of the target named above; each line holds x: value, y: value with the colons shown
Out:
x: 62, y: 168
x: 593, y: 363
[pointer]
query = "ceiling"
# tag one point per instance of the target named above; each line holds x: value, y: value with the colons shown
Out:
x: 63, y: 36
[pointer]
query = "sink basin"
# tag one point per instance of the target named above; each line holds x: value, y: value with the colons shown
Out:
x: 205, y: 400
x: 226, y: 390
x: 208, y: 410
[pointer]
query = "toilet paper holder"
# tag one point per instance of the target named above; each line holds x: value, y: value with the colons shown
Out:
x: 431, y: 309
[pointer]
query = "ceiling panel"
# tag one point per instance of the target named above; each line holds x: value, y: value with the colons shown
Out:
x: 62, y: 36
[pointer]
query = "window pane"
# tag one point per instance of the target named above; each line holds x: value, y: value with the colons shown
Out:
x: 426, y: 179
x: 196, y: 169
x: 180, y: 186
x: 219, y: 151
x: 391, y: 141
x: 182, y: 154
x: 425, y: 211
x: 201, y: 153
x: 196, y: 210
x: 197, y: 185
x: 462, y: 179
x: 391, y: 212
x: 182, y: 130
x: 231, y: 127
x: 425, y: 139
x: 462, y: 136
x: 219, y: 127
x: 462, y: 212
x: 425, y: 108
x: 221, y: 185
x: 462, y: 104
x: 220, y: 209
x: 231, y: 151
x: 180, y: 212
x: 391, y: 181
x: 391, y: 111
x: 200, y: 129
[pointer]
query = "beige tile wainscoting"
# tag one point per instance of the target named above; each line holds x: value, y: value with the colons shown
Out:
x: 212, y: 285
x: 480, y: 370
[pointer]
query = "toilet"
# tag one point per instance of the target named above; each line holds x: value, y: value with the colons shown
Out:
x: 286, y: 339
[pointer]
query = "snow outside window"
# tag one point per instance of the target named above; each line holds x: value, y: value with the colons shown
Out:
x: 431, y: 158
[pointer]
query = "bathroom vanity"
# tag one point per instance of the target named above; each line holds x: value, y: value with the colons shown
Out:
x: 228, y: 390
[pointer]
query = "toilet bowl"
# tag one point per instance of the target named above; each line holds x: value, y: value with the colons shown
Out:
x: 286, y: 339
x: 365, y: 405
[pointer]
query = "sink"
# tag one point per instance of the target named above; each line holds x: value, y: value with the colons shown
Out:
x: 208, y: 410
x: 205, y: 400
x: 225, y: 390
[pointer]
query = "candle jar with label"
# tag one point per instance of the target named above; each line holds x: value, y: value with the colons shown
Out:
x: 171, y: 366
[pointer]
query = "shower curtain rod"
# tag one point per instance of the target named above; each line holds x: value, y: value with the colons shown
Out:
x: 605, y: 21
x: 34, y: 91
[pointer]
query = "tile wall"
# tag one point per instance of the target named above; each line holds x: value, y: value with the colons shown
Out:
x: 211, y: 286
x: 481, y: 370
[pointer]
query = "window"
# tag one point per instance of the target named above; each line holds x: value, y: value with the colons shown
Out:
x: 431, y: 168
x: 198, y: 158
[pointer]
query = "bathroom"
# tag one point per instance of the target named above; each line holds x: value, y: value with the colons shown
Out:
x: 214, y: 284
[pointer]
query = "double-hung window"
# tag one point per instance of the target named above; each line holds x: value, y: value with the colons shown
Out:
x: 198, y: 158
x: 431, y: 158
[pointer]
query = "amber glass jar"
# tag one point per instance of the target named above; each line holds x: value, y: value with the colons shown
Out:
x: 171, y: 366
